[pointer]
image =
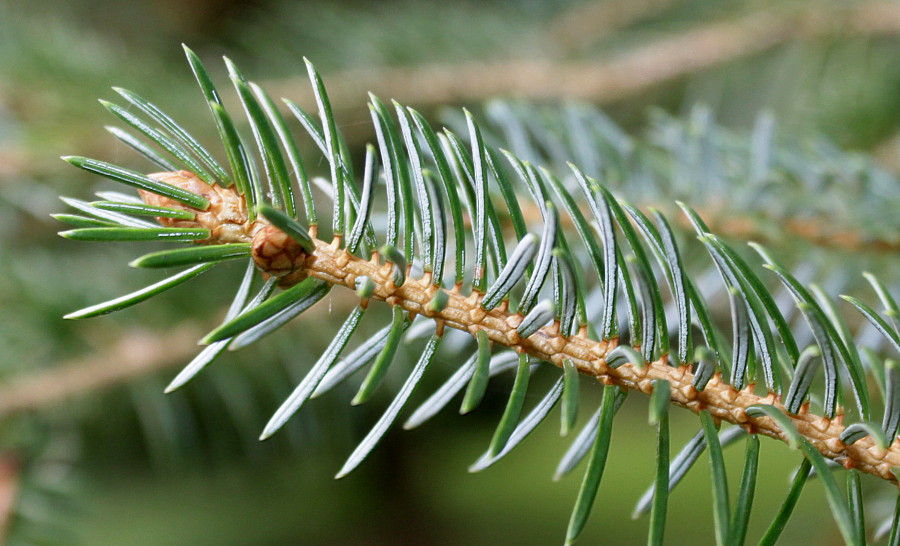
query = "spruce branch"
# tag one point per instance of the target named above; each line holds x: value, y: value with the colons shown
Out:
x: 330, y: 263
x: 540, y: 299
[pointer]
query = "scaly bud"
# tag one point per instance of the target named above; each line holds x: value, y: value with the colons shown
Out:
x: 275, y: 252
x: 225, y: 218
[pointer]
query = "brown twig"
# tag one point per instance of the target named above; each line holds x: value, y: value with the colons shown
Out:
x: 332, y: 264
x: 888, y: 152
x: 650, y: 65
x: 600, y: 81
x: 588, y: 22
x: 9, y: 487
x: 748, y: 228
x: 813, y: 230
x: 135, y: 355
x: 336, y: 266
x: 604, y: 81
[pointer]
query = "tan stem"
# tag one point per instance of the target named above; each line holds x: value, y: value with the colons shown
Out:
x: 9, y: 487
x: 817, y: 231
x: 134, y: 356
x: 601, y: 81
x: 586, y: 23
x: 605, y: 80
x: 334, y: 265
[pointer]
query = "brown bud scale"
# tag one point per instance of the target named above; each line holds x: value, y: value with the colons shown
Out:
x: 275, y: 252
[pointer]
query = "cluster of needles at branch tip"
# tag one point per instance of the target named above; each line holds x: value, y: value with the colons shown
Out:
x: 539, y: 299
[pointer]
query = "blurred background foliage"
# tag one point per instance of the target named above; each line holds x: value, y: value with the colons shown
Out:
x: 92, y: 452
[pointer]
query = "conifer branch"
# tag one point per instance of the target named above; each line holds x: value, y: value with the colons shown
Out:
x: 331, y: 263
x: 336, y: 266
x: 428, y: 175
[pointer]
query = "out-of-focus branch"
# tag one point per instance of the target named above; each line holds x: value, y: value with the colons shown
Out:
x: 585, y: 23
x: 888, y: 152
x: 600, y: 81
x: 608, y: 80
x: 816, y: 231
x: 870, y: 18
x: 135, y: 355
x: 745, y: 227
x: 9, y: 486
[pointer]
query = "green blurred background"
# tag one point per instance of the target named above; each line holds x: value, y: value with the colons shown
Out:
x: 108, y: 459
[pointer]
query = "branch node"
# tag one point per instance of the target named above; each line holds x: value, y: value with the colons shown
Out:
x: 477, y: 314
x: 821, y: 424
x: 729, y: 394
x: 646, y: 386
x: 677, y: 374
x: 696, y: 405
x: 689, y: 392
x: 739, y: 415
